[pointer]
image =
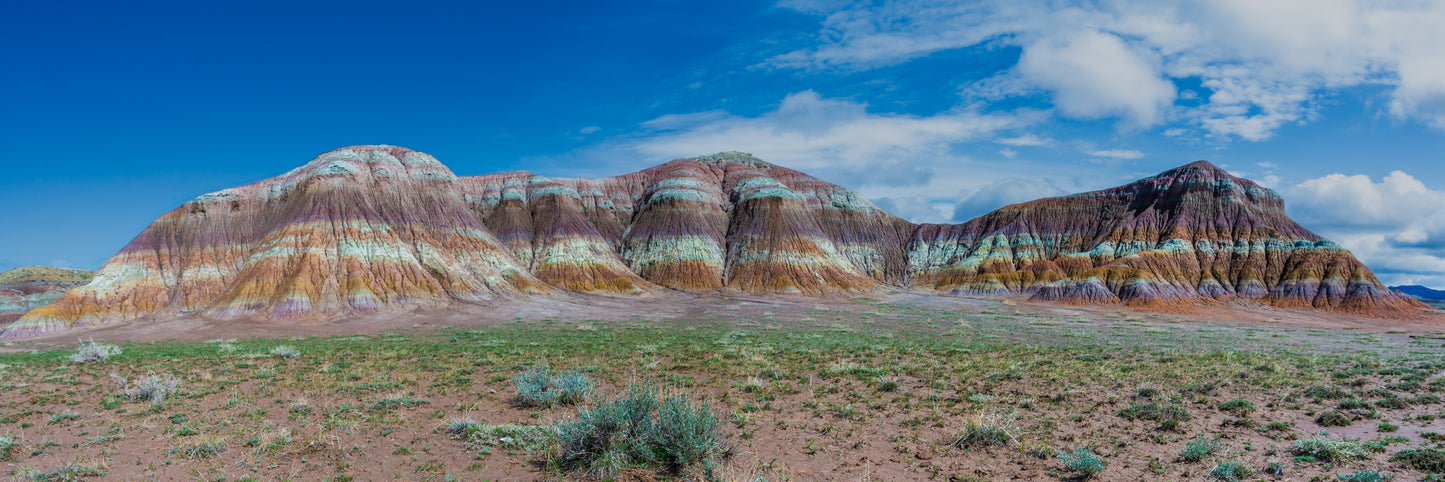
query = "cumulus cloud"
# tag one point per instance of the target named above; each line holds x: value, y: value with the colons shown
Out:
x: 1395, y: 225
x: 1260, y: 65
x: 808, y: 131
x: 1095, y: 75
x: 1001, y: 193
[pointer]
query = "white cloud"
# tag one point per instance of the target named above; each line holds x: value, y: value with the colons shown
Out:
x: 862, y: 35
x: 589, y: 129
x: 1397, y: 200
x: 1122, y: 154
x: 1394, y: 225
x: 914, y: 208
x: 897, y: 173
x: 1009, y: 153
x: 1026, y: 140
x: 808, y: 131
x: 1001, y: 193
x: 1095, y: 75
x: 1262, y: 65
x: 909, y: 165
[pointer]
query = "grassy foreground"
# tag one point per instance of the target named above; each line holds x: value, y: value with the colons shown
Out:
x: 895, y: 393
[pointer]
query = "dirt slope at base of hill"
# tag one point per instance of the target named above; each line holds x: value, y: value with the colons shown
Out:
x: 684, y: 306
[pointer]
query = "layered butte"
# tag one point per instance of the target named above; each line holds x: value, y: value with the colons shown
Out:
x: 380, y: 228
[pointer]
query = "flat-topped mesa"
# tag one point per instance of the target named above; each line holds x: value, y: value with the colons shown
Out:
x: 367, y: 229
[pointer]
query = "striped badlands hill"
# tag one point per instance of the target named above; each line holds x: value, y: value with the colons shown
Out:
x: 1188, y: 233
x: 380, y: 228
x: 24, y: 289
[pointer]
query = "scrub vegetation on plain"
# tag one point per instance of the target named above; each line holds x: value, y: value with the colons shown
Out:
x: 893, y: 391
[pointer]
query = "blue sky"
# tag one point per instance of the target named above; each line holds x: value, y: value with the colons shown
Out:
x: 937, y: 110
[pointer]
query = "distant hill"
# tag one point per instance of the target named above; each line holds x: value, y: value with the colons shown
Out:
x: 367, y: 229
x: 25, y: 289
x: 1421, y: 292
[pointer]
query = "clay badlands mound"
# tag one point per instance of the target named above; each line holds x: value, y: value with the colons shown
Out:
x: 25, y: 289
x: 378, y: 228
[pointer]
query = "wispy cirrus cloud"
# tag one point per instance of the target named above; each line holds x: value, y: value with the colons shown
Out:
x: 1026, y: 140
x: 1000, y: 193
x: 1121, y: 154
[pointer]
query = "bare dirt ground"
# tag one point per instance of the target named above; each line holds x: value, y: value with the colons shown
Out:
x: 872, y: 388
x: 684, y: 305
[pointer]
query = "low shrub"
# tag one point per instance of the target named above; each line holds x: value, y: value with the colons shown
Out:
x: 1354, y: 403
x: 1331, y: 450
x: 8, y: 444
x: 64, y: 473
x: 90, y: 351
x: 987, y: 429
x: 637, y: 429
x: 285, y: 351
x: 527, y: 438
x: 1320, y: 392
x: 1231, y: 471
x: 461, y: 425
x: 1168, y: 415
x: 1197, y: 449
x: 1365, y: 476
x: 1238, y: 406
x: 1332, y: 418
x: 203, y: 449
x: 398, y: 401
x: 1083, y: 461
x: 1424, y: 460
x: 150, y: 388
x: 541, y: 387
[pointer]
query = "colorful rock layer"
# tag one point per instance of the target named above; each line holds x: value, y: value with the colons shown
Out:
x: 372, y: 228
x: 25, y: 289
x: 1191, y: 233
